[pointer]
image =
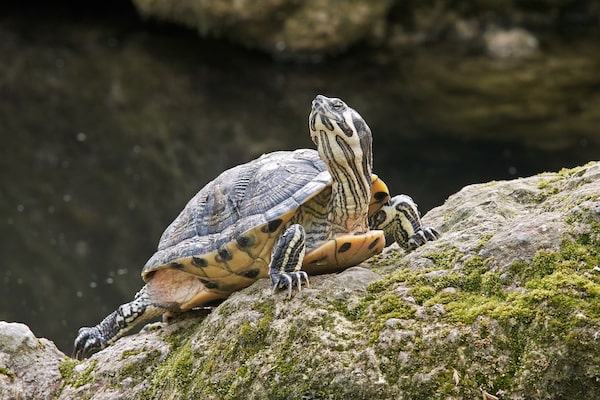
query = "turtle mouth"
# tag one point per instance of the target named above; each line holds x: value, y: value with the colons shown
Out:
x: 327, y: 110
x: 319, y: 102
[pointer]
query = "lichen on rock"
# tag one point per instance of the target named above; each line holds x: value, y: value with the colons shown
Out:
x: 506, y: 303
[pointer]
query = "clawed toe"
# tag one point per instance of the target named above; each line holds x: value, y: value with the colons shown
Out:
x: 422, y: 236
x: 88, y: 340
x: 431, y: 233
x: 286, y: 280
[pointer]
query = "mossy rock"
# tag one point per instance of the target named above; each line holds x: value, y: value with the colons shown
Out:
x: 506, y: 303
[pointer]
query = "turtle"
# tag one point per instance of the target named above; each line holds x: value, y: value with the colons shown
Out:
x: 285, y: 215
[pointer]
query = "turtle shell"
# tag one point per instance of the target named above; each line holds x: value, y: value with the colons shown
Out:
x: 226, y: 232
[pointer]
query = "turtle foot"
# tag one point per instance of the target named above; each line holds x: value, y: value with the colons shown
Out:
x: 423, y: 235
x: 286, y: 280
x: 400, y: 221
x: 88, y: 340
x: 287, y: 260
x: 116, y: 324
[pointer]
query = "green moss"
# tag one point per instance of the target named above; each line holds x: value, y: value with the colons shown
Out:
x: 561, y: 175
x: 174, y: 375
x: 194, y: 374
x: 534, y: 303
x: 128, y: 353
x: 507, y: 313
x: 544, y: 184
x: 66, y: 368
x: 422, y: 293
x: 391, y: 305
x: 180, y: 335
x: 446, y: 259
x: 472, y: 274
x: 553, y: 286
x: 390, y: 258
x: 251, y: 338
x: 491, y: 284
x: 517, y: 267
x: 7, y: 372
x: 77, y: 379
x: 483, y: 241
x: 442, y: 261
x: 139, y: 369
x: 354, y: 312
x: 575, y: 171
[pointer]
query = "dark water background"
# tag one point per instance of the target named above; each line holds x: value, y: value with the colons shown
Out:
x: 108, y: 125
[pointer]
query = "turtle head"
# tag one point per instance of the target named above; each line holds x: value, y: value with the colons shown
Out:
x: 344, y: 141
x: 340, y: 133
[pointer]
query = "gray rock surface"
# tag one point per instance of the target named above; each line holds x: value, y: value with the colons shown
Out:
x: 506, y: 303
x: 29, y: 367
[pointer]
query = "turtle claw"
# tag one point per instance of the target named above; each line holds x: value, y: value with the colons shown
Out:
x: 423, y: 235
x: 88, y: 340
x: 286, y: 280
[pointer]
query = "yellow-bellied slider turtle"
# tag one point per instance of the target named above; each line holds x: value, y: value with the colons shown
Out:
x: 283, y: 215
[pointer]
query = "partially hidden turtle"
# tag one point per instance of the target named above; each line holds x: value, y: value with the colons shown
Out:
x: 285, y: 215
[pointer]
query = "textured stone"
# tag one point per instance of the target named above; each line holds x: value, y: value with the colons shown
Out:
x: 508, y: 303
x: 28, y: 365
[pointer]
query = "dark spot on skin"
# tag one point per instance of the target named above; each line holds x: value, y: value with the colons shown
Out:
x: 272, y: 226
x: 253, y: 273
x: 389, y: 239
x: 199, y: 262
x: 345, y: 247
x: 380, y: 196
x: 313, y: 119
x: 346, y: 128
x: 209, y: 284
x: 325, y: 121
x: 360, y: 125
x: 225, y: 254
x: 377, y: 219
x: 176, y: 265
x: 243, y: 241
x: 373, y: 244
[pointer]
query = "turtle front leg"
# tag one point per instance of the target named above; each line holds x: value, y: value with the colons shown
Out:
x: 287, y: 258
x: 116, y: 324
x: 400, y: 221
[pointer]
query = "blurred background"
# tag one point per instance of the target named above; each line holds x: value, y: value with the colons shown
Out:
x: 113, y: 114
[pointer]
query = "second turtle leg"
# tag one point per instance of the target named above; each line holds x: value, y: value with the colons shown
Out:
x: 400, y: 220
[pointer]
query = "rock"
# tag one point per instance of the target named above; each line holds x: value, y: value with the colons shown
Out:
x: 511, y: 43
x: 319, y: 27
x: 506, y: 303
x: 308, y: 28
x: 29, y: 367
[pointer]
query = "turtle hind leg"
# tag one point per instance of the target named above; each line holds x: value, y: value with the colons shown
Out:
x: 116, y: 324
x: 287, y: 258
x: 401, y: 222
